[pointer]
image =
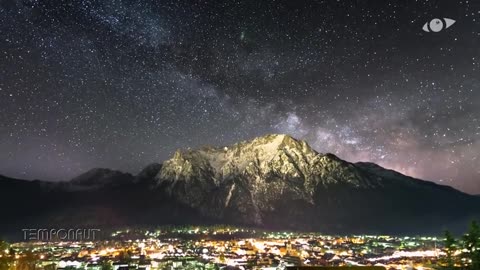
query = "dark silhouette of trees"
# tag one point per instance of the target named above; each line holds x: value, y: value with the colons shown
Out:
x: 6, y: 260
x: 471, y: 242
x: 3, y: 246
x: 450, y: 249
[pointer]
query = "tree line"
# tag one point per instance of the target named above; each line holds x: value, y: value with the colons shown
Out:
x: 464, y: 252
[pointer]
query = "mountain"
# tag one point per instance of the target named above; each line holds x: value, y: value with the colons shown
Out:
x: 147, y: 175
x: 101, y: 178
x: 274, y: 182
x: 279, y: 182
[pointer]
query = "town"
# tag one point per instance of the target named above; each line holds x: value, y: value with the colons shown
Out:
x: 220, y: 247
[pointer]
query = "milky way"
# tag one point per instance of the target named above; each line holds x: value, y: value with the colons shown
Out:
x: 122, y: 84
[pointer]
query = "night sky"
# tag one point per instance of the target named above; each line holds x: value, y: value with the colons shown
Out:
x: 122, y: 84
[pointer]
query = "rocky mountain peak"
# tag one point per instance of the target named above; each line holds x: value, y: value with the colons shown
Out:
x: 222, y: 162
x: 255, y: 173
x: 272, y: 142
x: 274, y: 154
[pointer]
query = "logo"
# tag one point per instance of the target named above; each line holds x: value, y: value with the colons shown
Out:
x: 437, y: 25
x: 59, y: 234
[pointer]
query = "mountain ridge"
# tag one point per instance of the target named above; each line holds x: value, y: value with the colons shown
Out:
x: 273, y: 181
x: 248, y: 179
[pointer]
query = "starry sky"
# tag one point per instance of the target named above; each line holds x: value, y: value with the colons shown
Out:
x: 122, y: 84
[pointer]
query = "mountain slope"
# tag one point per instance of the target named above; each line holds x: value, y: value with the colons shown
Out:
x: 274, y: 181
x: 277, y: 181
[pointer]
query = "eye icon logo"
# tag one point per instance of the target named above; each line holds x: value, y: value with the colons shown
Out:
x: 437, y: 25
